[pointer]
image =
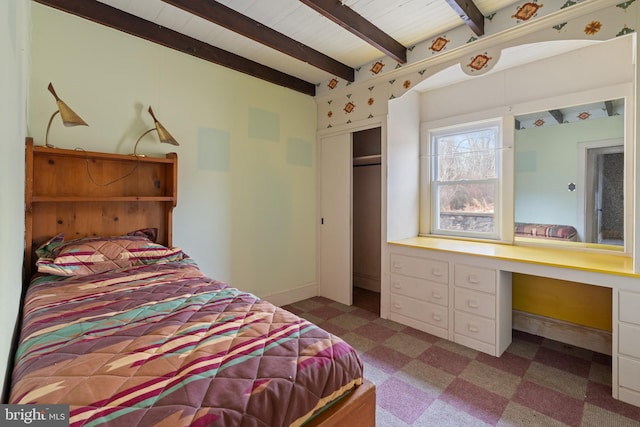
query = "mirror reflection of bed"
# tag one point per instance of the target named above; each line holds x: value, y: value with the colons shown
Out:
x: 569, y: 175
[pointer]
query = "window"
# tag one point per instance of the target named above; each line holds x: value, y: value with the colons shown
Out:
x: 465, y: 180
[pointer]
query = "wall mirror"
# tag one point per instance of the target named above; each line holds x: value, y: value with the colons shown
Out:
x: 570, y: 176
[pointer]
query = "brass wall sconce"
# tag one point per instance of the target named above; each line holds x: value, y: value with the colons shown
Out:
x: 164, y: 135
x: 68, y: 116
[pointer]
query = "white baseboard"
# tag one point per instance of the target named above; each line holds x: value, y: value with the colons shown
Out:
x: 566, y: 332
x: 292, y: 295
x: 367, y: 282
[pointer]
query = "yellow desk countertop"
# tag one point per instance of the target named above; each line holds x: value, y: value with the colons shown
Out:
x: 596, y: 262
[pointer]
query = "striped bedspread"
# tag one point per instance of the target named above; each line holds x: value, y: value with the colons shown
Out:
x: 164, y: 345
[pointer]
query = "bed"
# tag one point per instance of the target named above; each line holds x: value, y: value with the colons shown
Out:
x: 125, y: 329
x: 546, y: 231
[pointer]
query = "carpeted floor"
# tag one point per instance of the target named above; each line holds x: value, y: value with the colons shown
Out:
x: 423, y: 380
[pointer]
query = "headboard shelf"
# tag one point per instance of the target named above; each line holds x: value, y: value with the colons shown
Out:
x: 71, y: 199
x: 84, y: 193
x: 62, y: 152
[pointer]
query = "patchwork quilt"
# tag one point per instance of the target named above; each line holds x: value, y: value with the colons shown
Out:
x: 164, y: 345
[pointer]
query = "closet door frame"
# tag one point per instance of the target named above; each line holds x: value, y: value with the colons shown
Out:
x: 334, y: 254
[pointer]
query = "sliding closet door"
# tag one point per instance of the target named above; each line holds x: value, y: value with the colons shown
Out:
x: 335, y: 271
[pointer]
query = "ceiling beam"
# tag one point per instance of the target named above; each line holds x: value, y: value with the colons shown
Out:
x: 356, y: 24
x: 470, y: 14
x: 608, y: 105
x: 557, y: 114
x: 232, y: 20
x: 130, y: 24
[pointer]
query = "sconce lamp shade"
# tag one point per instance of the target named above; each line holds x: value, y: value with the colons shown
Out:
x: 163, y: 134
x: 68, y: 116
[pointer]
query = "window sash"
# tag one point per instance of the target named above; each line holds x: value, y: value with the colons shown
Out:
x: 468, y: 222
x: 485, y: 224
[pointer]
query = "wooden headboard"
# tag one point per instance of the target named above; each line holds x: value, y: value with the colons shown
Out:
x: 83, y: 193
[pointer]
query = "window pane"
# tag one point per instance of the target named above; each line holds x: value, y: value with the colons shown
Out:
x: 465, y: 180
x: 466, y: 207
x: 466, y: 156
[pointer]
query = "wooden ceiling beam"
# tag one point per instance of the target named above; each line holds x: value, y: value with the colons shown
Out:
x: 557, y: 114
x: 356, y: 24
x: 470, y: 14
x: 130, y: 24
x: 232, y: 20
x: 608, y: 106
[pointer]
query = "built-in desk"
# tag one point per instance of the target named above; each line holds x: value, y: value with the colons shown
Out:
x: 461, y: 290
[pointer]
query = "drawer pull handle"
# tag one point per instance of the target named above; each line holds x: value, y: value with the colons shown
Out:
x: 436, y: 272
x: 397, y: 265
x: 436, y: 295
x: 473, y: 304
x: 396, y: 284
x: 397, y: 305
x: 472, y: 328
x: 474, y: 279
x: 436, y: 317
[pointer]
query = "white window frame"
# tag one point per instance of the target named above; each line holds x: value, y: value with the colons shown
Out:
x: 503, y: 183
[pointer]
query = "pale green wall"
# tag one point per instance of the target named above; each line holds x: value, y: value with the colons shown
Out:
x: 546, y: 161
x: 13, y: 74
x: 247, y: 168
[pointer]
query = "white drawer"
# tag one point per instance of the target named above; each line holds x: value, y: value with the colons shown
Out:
x: 629, y: 373
x: 475, y: 302
x: 480, y: 279
x: 421, y: 289
x: 629, y: 303
x: 475, y: 327
x: 420, y: 310
x: 424, y: 268
x: 629, y: 340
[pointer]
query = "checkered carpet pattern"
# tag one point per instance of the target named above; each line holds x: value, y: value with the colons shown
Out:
x: 423, y: 380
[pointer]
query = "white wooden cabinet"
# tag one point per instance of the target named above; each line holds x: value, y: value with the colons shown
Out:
x: 482, y: 304
x: 419, y: 293
x: 629, y: 346
x: 444, y: 295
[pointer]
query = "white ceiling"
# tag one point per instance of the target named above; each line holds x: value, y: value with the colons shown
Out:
x: 407, y: 21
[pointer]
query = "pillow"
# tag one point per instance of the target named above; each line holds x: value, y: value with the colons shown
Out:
x: 149, y: 233
x: 91, y: 255
x: 47, y: 249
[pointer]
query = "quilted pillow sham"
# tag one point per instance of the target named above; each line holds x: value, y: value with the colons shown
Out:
x: 91, y: 255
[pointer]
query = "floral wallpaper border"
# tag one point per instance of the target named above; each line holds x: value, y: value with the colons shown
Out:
x: 367, y: 101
